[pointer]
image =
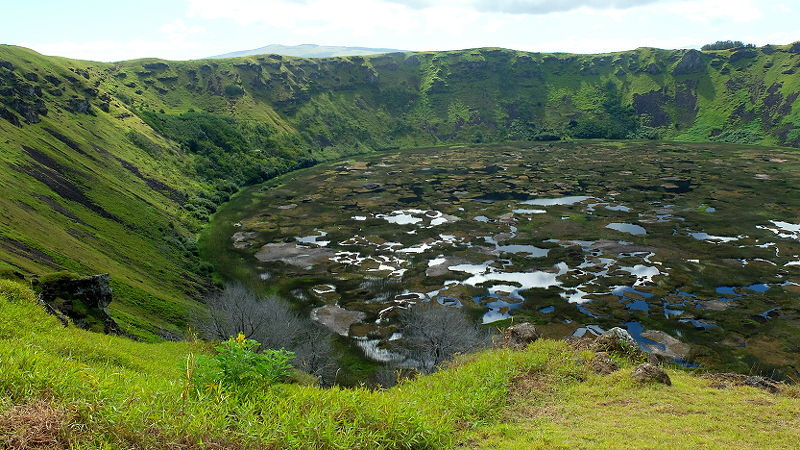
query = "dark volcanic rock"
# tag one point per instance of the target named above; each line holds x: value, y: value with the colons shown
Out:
x: 648, y: 373
x: 9, y: 116
x: 692, y: 62
x: 745, y: 53
x: 7, y: 65
x: 795, y: 48
x: 83, y: 302
x: 652, y: 69
x: 155, y: 66
x: 79, y: 106
x: 650, y: 103
x: 520, y: 335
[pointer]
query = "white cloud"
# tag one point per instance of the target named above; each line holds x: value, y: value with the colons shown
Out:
x: 528, y: 6
x: 174, y: 43
x: 180, y: 30
x: 707, y: 11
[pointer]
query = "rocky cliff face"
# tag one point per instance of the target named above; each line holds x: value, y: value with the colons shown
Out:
x: 82, y: 302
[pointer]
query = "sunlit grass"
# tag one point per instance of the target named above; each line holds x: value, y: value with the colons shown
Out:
x: 124, y: 393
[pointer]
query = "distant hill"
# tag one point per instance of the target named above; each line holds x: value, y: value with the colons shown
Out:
x: 308, y: 51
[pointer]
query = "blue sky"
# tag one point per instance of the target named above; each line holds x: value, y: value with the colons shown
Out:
x: 187, y: 29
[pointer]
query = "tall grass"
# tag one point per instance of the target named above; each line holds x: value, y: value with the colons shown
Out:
x: 135, y: 394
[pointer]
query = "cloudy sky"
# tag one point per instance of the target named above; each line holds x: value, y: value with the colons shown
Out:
x: 107, y: 30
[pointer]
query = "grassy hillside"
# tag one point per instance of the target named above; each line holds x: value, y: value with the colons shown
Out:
x: 114, y: 167
x: 68, y: 387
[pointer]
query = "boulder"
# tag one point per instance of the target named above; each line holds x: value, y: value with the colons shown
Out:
x: 602, y: 363
x: 649, y: 373
x: 519, y: 336
x: 82, y: 301
x: 617, y: 340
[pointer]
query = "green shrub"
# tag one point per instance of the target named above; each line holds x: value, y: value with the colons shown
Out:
x: 237, y: 367
x: 740, y: 136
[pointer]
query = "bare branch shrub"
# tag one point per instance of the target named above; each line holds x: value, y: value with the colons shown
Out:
x: 270, y: 321
x: 433, y: 334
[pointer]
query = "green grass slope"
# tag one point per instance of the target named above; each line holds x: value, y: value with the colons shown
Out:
x: 114, y: 167
x: 65, y: 387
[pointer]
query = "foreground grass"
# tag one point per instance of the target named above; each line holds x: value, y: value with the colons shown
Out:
x: 616, y: 412
x: 67, y: 387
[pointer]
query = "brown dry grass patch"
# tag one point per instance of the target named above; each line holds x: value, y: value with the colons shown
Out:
x: 39, y: 424
x: 528, y: 391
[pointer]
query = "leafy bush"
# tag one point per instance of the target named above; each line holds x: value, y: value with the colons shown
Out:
x: 226, y: 150
x: 613, y: 121
x: 645, y: 132
x: 740, y: 136
x: 238, y: 368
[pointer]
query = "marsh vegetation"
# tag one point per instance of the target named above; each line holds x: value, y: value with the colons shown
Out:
x: 691, y: 247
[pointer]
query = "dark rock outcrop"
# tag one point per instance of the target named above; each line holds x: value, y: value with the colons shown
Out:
x: 82, y: 301
x: 692, y: 62
x: 10, y: 117
x: 745, y: 53
x: 519, y: 336
x: 79, y: 106
x: 156, y: 66
x: 652, y: 69
x: 649, y: 373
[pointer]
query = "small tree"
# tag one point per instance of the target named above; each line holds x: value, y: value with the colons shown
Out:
x: 433, y: 334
